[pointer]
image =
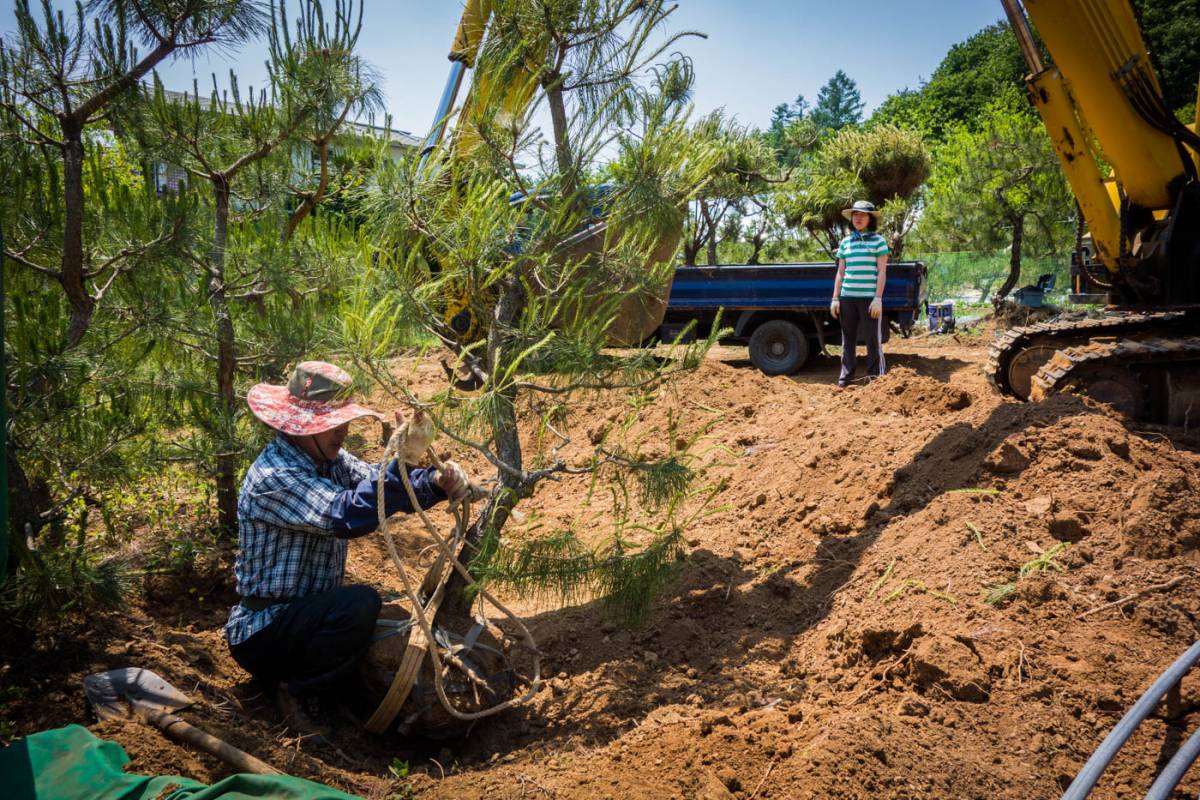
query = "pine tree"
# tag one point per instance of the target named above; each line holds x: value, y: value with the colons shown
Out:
x: 58, y: 78
x: 546, y: 297
x: 838, y: 104
x: 228, y: 143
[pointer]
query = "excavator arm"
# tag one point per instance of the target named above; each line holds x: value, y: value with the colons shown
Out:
x: 1102, y: 103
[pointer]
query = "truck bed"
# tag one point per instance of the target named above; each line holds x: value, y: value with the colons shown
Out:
x: 784, y: 286
x: 781, y: 311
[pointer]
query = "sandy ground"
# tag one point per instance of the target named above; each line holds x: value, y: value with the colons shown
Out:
x: 827, y: 635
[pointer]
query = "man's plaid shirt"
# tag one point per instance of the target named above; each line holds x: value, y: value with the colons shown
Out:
x: 293, y: 521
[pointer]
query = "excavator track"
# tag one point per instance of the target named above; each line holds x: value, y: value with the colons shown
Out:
x: 1133, y: 375
x: 1016, y: 354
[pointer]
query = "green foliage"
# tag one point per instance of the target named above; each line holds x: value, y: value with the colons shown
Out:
x: 1171, y: 29
x: 955, y: 274
x: 791, y: 131
x: 991, y: 177
x: 839, y: 104
x: 547, y: 299
x: 562, y: 567
x: 47, y: 585
x: 889, y: 161
x: 972, y: 75
x: 402, y: 788
x: 882, y: 163
x: 740, y: 166
x: 1000, y: 593
x: 92, y: 414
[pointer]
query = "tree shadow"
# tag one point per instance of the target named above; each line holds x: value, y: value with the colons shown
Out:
x: 824, y: 369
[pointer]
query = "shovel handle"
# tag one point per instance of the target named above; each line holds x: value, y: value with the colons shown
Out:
x: 176, y: 728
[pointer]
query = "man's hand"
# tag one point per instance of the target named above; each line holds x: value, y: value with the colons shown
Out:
x: 835, y: 308
x: 452, y: 480
x: 876, y: 308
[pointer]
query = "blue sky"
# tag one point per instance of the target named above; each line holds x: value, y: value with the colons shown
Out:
x: 758, y: 52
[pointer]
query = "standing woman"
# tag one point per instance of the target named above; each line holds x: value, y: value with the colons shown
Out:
x: 858, y: 291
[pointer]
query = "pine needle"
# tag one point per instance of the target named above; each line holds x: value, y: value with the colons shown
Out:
x: 887, y: 573
x: 978, y: 536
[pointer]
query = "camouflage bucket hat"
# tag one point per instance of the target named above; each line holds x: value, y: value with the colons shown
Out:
x: 316, y: 399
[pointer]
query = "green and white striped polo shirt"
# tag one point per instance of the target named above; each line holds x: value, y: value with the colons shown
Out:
x: 860, y: 251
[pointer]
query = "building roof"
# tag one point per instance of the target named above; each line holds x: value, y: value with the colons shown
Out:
x: 396, y: 137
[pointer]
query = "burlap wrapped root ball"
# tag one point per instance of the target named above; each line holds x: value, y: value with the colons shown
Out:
x: 488, y: 681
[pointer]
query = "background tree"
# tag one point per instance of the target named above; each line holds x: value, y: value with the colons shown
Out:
x: 744, y: 166
x: 789, y: 128
x: 59, y: 78
x: 226, y: 143
x: 883, y: 164
x: 999, y: 187
x: 973, y: 73
x: 838, y: 105
x: 1171, y: 29
x: 341, y: 87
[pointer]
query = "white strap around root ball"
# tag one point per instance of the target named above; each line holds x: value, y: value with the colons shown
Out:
x: 462, y: 515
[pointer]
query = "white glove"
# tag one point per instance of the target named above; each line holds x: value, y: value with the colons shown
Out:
x: 876, y: 308
x: 453, y: 481
x: 420, y: 435
x: 835, y: 308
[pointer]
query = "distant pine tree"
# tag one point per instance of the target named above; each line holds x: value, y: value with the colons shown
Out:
x: 839, y: 104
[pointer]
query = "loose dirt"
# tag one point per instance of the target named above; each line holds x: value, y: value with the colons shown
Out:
x: 827, y: 635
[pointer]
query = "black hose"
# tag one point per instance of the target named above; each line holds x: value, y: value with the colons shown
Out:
x: 1175, y: 769
x: 1085, y: 781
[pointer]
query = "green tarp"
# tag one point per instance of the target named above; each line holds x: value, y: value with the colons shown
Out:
x: 71, y: 764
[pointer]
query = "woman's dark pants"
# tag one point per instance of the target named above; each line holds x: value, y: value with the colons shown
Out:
x: 855, y: 318
x: 314, y: 644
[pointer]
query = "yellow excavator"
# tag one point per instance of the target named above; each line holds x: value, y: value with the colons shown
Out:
x: 1133, y: 167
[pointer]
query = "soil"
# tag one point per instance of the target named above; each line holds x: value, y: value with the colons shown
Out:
x: 826, y: 636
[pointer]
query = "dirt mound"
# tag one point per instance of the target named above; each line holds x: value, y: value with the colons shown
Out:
x: 910, y: 589
x: 902, y: 391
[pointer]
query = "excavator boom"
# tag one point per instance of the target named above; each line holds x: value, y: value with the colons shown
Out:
x: 1133, y: 168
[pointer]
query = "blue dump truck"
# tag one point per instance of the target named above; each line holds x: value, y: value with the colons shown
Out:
x: 781, y: 311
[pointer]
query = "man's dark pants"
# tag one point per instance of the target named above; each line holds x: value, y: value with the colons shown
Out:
x: 314, y: 644
x: 855, y: 318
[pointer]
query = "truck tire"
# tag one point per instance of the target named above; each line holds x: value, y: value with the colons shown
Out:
x: 778, y: 347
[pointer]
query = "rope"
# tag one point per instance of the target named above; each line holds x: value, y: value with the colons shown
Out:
x: 422, y: 612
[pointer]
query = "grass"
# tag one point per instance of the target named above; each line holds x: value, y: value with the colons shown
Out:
x: 402, y: 788
x: 887, y: 573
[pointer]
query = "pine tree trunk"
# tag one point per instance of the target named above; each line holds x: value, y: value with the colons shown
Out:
x: 562, y: 142
x: 72, y: 276
x: 711, y: 239
x: 1014, y: 258
x: 507, y: 440
x: 310, y: 202
x: 226, y: 361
